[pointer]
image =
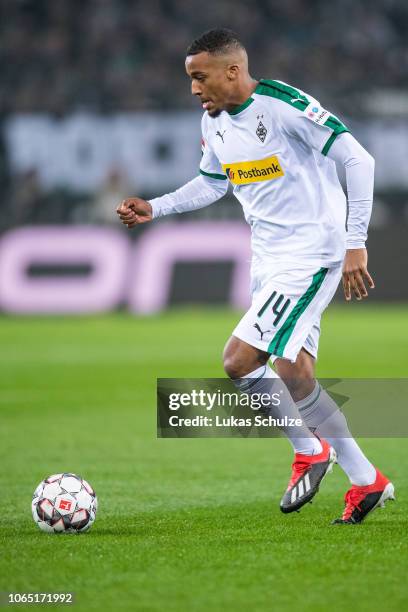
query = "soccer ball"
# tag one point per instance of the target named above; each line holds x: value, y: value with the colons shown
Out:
x: 64, y: 503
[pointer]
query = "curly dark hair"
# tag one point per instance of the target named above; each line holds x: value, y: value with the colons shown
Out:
x: 218, y: 40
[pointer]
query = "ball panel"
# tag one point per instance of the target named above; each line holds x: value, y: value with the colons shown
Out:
x: 45, y: 527
x: 79, y: 516
x: 53, y: 478
x: 81, y: 520
x: 65, y: 504
x: 45, y: 509
x: 51, y: 490
x: 84, y: 500
x: 85, y: 527
x: 87, y: 487
x: 39, y: 490
x: 59, y: 526
x: 71, y: 484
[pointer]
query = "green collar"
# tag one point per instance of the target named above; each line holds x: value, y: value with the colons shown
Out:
x: 241, y: 107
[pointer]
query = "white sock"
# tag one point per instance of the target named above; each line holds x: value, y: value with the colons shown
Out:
x: 263, y: 380
x: 322, y: 415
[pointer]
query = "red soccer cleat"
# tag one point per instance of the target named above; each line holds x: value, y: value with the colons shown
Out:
x: 307, y: 473
x: 360, y: 501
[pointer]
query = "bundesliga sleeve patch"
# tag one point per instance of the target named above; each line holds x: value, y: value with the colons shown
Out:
x: 242, y: 173
x: 316, y: 113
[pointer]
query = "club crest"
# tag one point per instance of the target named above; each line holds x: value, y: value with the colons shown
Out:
x: 261, y: 131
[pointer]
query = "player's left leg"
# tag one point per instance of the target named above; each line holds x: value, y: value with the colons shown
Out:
x: 322, y: 415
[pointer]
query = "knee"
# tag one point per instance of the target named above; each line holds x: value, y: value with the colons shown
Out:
x: 234, y: 359
x: 240, y: 359
x: 234, y: 366
x: 299, y: 377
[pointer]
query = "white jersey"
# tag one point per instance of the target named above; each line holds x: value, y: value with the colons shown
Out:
x: 279, y: 151
x: 273, y: 151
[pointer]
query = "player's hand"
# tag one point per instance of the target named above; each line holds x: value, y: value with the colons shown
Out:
x: 133, y: 211
x: 355, y: 274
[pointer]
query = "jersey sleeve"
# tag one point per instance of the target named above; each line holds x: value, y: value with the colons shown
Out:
x: 359, y: 166
x: 210, y: 165
x: 312, y: 124
x: 196, y: 194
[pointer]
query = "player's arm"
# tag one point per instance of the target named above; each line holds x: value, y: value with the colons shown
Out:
x: 205, y: 189
x: 319, y: 129
x: 359, y: 168
x: 196, y: 194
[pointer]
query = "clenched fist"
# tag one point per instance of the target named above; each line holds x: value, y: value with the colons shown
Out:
x: 133, y: 211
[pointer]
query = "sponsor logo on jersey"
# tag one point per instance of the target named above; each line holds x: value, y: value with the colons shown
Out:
x: 317, y: 114
x: 242, y: 173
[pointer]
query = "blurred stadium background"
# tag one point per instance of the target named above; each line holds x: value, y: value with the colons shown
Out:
x: 95, y: 106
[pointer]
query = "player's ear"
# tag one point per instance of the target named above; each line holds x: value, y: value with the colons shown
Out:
x: 232, y: 72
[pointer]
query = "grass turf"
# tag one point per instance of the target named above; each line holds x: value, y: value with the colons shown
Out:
x: 185, y: 524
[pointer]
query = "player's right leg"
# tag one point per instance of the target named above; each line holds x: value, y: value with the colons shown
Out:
x: 361, y: 500
x: 369, y: 488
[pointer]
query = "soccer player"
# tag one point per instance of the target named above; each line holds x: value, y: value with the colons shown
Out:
x: 277, y: 147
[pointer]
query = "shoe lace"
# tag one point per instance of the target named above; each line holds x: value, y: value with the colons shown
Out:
x: 352, y: 499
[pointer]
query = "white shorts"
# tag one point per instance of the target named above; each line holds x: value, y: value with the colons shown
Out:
x: 286, y: 310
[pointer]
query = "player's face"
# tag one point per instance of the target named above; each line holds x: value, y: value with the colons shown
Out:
x: 212, y: 80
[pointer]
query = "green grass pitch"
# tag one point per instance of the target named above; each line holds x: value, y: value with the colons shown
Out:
x: 185, y: 525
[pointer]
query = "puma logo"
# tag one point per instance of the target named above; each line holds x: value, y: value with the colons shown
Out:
x: 218, y: 133
x: 265, y: 331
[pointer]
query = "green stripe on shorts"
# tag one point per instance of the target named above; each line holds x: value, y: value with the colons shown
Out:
x: 281, y: 338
